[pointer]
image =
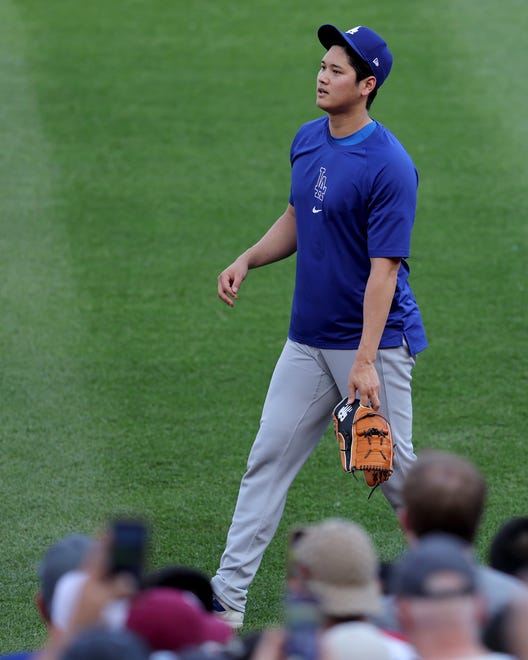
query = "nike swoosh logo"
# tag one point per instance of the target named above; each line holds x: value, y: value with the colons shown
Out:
x: 314, y: 210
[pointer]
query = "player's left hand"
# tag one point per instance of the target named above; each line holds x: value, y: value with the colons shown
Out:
x: 363, y: 378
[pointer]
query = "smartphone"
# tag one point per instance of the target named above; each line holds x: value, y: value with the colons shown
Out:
x: 303, y: 621
x: 128, y: 547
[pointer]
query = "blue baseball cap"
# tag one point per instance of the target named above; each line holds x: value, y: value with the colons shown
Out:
x: 438, y: 566
x: 370, y: 47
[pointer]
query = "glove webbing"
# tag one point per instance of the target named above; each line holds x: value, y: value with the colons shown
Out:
x: 369, y: 434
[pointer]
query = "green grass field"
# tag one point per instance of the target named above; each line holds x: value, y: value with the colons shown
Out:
x: 144, y: 144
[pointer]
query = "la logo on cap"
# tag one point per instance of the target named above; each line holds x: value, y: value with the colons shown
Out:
x: 354, y: 30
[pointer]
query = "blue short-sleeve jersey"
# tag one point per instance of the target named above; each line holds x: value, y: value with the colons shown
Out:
x: 352, y: 202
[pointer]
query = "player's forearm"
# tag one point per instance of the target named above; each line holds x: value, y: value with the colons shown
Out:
x: 279, y: 242
x: 379, y: 294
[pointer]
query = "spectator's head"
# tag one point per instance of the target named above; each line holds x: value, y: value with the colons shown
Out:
x: 435, y: 584
x: 509, y: 548
x: 437, y: 567
x: 444, y: 493
x: 63, y: 556
x: 172, y: 620
x: 183, y: 578
x: 337, y: 562
x: 105, y: 644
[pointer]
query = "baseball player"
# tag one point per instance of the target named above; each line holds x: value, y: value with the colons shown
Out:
x: 355, y: 327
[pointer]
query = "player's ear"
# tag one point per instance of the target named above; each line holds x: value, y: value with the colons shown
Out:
x: 368, y: 85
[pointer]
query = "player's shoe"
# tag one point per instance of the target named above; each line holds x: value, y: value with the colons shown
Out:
x: 232, y: 617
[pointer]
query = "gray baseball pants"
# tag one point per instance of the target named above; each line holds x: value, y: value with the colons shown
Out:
x: 306, y: 385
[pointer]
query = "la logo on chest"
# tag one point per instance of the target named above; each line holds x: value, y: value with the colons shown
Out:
x: 320, y: 190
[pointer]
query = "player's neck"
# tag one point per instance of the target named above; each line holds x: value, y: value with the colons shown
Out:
x: 342, y: 125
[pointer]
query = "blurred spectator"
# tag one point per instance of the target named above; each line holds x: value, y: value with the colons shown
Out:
x: 183, y: 578
x: 64, y: 555
x: 337, y: 562
x: 179, y: 623
x: 95, y: 606
x: 509, y: 548
x: 89, y: 593
x: 445, y: 493
x: 172, y: 620
x: 438, y: 602
x: 165, y: 618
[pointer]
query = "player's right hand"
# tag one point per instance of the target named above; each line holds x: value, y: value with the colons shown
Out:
x: 230, y: 279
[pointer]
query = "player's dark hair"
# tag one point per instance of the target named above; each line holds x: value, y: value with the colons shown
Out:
x: 363, y: 71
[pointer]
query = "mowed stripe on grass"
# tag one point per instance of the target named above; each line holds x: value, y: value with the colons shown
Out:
x: 68, y: 461
x: 49, y: 448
